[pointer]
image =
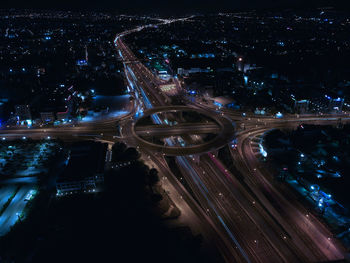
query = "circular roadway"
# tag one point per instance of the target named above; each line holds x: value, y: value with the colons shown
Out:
x: 225, y: 135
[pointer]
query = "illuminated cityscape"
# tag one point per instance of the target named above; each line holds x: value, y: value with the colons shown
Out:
x: 195, y: 135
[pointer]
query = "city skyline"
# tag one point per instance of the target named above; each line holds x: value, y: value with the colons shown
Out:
x: 174, y: 7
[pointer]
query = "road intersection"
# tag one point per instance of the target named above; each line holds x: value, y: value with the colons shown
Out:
x: 249, y: 220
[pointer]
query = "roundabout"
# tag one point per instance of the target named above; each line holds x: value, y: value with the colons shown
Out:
x: 160, y: 129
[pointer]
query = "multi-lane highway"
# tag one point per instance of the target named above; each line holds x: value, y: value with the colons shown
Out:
x: 308, y: 233
x: 96, y: 128
x: 242, y: 212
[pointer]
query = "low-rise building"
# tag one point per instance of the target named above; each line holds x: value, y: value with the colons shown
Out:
x: 23, y: 112
x: 47, y: 117
x: 84, y: 171
x: 224, y: 102
x: 301, y: 106
x: 336, y: 105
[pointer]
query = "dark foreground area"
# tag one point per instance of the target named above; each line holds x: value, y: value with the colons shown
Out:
x: 117, y: 225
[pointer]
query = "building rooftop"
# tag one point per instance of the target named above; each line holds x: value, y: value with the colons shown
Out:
x: 87, y: 159
x: 223, y: 100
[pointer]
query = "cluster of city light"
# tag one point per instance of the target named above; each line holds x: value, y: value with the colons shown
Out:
x: 322, y: 197
x: 262, y: 150
x: 30, y: 195
x: 60, y: 193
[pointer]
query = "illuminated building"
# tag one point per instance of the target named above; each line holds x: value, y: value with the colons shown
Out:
x: 23, y: 112
x: 336, y: 105
x: 47, y: 116
x: 223, y: 102
x: 301, y: 106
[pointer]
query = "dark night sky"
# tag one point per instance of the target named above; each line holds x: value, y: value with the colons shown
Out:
x: 169, y: 6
